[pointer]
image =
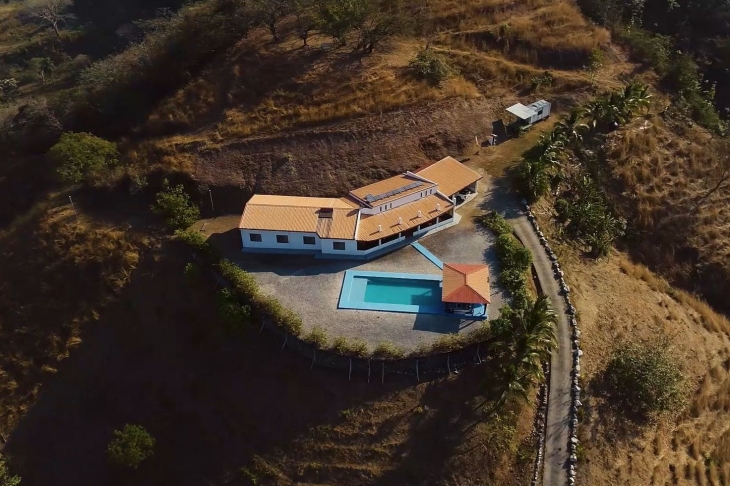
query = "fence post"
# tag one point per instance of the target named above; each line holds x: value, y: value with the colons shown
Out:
x: 349, y: 375
x: 263, y: 323
x: 448, y: 363
x: 382, y: 374
x: 368, y: 370
x: 314, y: 359
x: 418, y: 378
x: 479, y: 358
x: 286, y: 337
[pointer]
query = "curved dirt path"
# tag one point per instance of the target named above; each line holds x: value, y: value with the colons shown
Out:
x: 557, y: 431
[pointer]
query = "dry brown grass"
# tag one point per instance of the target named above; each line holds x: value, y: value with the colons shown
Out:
x: 56, y: 272
x: 662, y: 174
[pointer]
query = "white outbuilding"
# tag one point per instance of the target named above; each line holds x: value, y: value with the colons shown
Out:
x: 532, y: 113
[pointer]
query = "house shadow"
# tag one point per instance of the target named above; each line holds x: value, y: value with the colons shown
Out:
x: 444, y: 324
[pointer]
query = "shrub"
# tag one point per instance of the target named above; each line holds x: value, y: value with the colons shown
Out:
x: 192, y: 271
x: 430, y: 66
x: 388, y: 350
x: 8, y: 89
x: 317, y: 337
x: 130, y: 446
x: 5, y: 478
x: 533, y: 179
x: 175, y: 206
x: 512, y: 254
x: 80, y: 156
x: 350, y: 347
x: 233, y: 313
x: 198, y: 242
x: 497, y: 224
x: 645, y: 379
x: 243, y: 283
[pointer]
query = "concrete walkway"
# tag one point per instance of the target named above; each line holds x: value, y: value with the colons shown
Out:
x: 557, y: 432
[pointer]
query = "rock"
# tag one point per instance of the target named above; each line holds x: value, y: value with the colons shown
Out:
x: 574, y: 440
x: 571, y: 481
x: 524, y: 203
x: 578, y: 403
x: 580, y: 353
x: 573, y: 458
x: 575, y: 423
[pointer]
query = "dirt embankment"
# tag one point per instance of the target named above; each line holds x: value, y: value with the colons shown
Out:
x: 331, y: 160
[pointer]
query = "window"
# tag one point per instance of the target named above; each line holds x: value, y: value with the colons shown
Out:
x: 255, y: 237
x: 539, y: 112
x: 282, y: 239
x: 308, y: 240
x: 338, y: 245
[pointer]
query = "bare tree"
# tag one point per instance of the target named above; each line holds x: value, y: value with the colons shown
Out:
x: 270, y: 12
x: 721, y: 178
x: 53, y: 12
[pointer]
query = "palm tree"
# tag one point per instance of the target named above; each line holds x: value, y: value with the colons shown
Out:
x: 526, y: 340
x: 595, y: 112
x: 572, y: 126
x: 636, y: 96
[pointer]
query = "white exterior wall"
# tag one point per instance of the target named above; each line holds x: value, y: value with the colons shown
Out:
x: 350, y: 247
x: 401, y: 201
x: 268, y: 240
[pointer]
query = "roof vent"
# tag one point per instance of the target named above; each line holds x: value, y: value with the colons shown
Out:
x: 419, y: 213
x: 438, y: 207
x: 326, y: 213
x: 380, y: 228
x: 400, y: 220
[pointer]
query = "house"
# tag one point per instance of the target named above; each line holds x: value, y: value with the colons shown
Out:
x: 369, y: 219
x: 465, y: 289
x: 532, y: 113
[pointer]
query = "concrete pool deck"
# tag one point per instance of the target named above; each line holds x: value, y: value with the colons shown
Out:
x: 311, y: 287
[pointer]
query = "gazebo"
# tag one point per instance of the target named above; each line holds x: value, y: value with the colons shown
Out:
x: 465, y: 289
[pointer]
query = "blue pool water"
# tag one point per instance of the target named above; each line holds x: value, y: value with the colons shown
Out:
x: 386, y: 290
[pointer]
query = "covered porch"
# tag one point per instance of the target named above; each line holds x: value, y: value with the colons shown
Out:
x: 465, y: 289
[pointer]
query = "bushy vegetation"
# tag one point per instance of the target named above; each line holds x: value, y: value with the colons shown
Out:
x: 514, y: 258
x: 7, y: 479
x: 388, y: 350
x: 354, y: 347
x: 645, y: 379
x: 130, y: 446
x: 674, y: 39
x: 174, y: 205
x: 81, y: 156
x: 234, y: 314
x: 429, y: 65
x: 317, y: 337
x: 565, y: 160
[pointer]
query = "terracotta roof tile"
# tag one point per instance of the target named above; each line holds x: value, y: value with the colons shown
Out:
x: 388, y: 220
x: 450, y: 175
x: 301, y: 214
x: 465, y: 284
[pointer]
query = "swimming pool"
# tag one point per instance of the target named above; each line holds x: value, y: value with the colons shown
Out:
x: 394, y: 292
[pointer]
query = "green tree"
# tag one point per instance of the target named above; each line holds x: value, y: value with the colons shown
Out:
x: 533, y: 179
x: 80, y: 156
x: 429, y: 65
x: 175, y: 206
x: 130, y: 446
x: 645, y: 379
x: 337, y: 18
x: 524, y: 339
x: 306, y: 20
x: 571, y: 127
x: 6, y: 479
x: 270, y: 12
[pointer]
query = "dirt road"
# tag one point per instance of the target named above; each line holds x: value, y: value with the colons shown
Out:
x: 557, y: 432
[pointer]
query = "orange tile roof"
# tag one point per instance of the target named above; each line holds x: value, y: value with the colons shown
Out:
x: 465, y: 284
x: 292, y: 213
x: 388, y: 220
x: 450, y: 175
x: 387, y: 185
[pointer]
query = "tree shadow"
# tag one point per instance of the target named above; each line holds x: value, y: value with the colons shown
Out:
x: 157, y: 358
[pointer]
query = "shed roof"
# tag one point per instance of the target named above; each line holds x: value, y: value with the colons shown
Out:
x: 388, y: 220
x: 390, y: 189
x: 328, y: 217
x: 521, y: 111
x: 465, y: 284
x: 450, y: 175
x: 538, y: 104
